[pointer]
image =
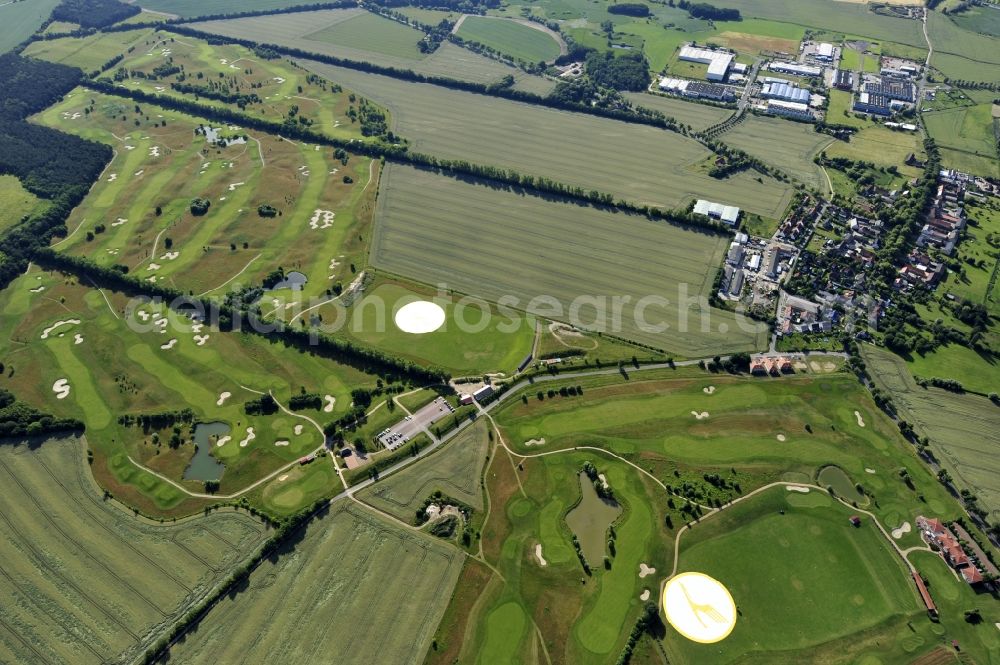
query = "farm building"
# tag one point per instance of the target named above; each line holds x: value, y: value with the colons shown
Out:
x: 718, y: 61
x: 465, y: 399
x: 728, y: 214
x: 483, y: 393
x: 796, y: 110
x: 786, y: 92
x: 795, y: 68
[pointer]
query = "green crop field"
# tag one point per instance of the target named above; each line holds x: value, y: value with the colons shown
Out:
x: 519, y: 40
x: 116, y: 360
x: 283, y: 89
x: 880, y: 146
x: 979, y: 258
x: 462, y: 346
x: 985, y: 20
x: 305, y: 30
x: 366, y: 31
x: 355, y: 587
x: 512, y: 249
x: 21, y: 19
x: 812, y: 551
x: 635, y: 162
x: 697, y: 116
x: 85, y: 581
x: 789, y: 146
x: 163, y: 165
x: 961, y: 53
x: 964, y: 430
x: 966, y: 130
x: 15, y: 202
x: 454, y: 470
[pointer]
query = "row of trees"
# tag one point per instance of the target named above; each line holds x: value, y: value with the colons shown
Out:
x: 18, y: 419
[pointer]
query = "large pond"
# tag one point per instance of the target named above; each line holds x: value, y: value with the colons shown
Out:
x: 590, y: 521
x: 293, y: 280
x: 203, y: 466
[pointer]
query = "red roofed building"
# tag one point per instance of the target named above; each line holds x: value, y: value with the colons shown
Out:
x: 972, y: 575
x: 932, y: 526
x: 925, y: 595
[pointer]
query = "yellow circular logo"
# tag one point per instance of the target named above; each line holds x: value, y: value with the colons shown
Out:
x: 699, y: 607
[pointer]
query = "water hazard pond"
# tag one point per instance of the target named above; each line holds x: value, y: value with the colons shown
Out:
x: 203, y: 466
x: 590, y: 521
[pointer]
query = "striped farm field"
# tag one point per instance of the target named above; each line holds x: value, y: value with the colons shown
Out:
x: 520, y: 40
x: 789, y: 146
x: 21, y: 19
x: 356, y: 589
x: 454, y: 471
x: 964, y: 429
x: 85, y: 581
x: 326, y: 32
x: 638, y: 163
x: 500, y: 245
x: 698, y: 116
x: 190, y: 8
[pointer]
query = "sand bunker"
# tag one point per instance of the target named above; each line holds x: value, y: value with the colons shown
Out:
x: 282, y: 442
x: 37, y: 289
x: 781, y: 437
x: 604, y: 481
x: 142, y: 314
x: 330, y: 401
x: 78, y: 338
x: 645, y: 570
x: 196, y: 327
x: 322, y: 219
x: 201, y: 339
x: 154, y: 151
x: 251, y: 435
x: 223, y: 396
x: 119, y: 221
x: 644, y: 596
x: 298, y: 430
x: 797, y: 488
x: 861, y: 421
x: 535, y: 442
x: 233, y: 186
x: 700, y: 416
x: 169, y: 345
x: 872, y: 471
x: 113, y: 176
x: 223, y: 440
x: 170, y: 256
x: 154, y: 266
x: 419, y: 317
x: 48, y: 331
x: 139, y: 172
x: 901, y: 530
x: 538, y: 555
x: 61, y: 389
x: 709, y: 390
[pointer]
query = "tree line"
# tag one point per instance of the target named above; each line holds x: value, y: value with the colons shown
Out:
x: 17, y: 419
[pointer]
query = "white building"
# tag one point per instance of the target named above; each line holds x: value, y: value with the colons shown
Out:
x: 728, y: 214
x: 795, y: 68
x: 789, y: 109
x: 785, y: 91
x: 824, y: 51
x: 718, y: 61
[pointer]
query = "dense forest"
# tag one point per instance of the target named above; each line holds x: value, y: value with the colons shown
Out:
x: 625, y: 72
x: 93, y: 13
x: 629, y: 9
x: 709, y: 12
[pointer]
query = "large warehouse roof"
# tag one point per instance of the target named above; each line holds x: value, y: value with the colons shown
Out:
x: 718, y: 61
x: 786, y: 91
x: 728, y: 214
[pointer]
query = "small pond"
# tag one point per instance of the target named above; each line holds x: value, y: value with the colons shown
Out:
x: 837, y: 478
x: 590, y: 520
x: 293, y: 280
x: 203, y: 466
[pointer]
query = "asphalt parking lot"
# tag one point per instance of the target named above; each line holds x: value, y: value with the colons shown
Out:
x: 410, y: 426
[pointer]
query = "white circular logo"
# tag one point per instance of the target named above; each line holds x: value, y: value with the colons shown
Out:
x: 419, y: 317
x: 699, y: 607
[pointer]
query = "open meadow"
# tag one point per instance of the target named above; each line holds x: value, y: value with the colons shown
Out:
x: 511, y: 248
x: 330, y: 32
x: 78, y: 352
x: 454, y: 470
x: 85, y: 581
x: 520, y: 40
x: 354, y: 585
x: 15, y: 202
x: 697, y: 116
x: 91, y: 52
x: 21, y: 19
x: 637, y: 163
x: 140, y: 214
x: 964, y: 429
x: 789, y: 146
x: 961, y: 53
x: 967, y: 136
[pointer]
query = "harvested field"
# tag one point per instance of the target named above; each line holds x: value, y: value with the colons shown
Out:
x: 635, y: 162
x: 698, y: 116
x: 83, y: 580
x: 454, y: 470
x: 964, y: 429
x: 789, y: 146
x: 385, y: 587
x: 519, y: 40
x: 489, y: 243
